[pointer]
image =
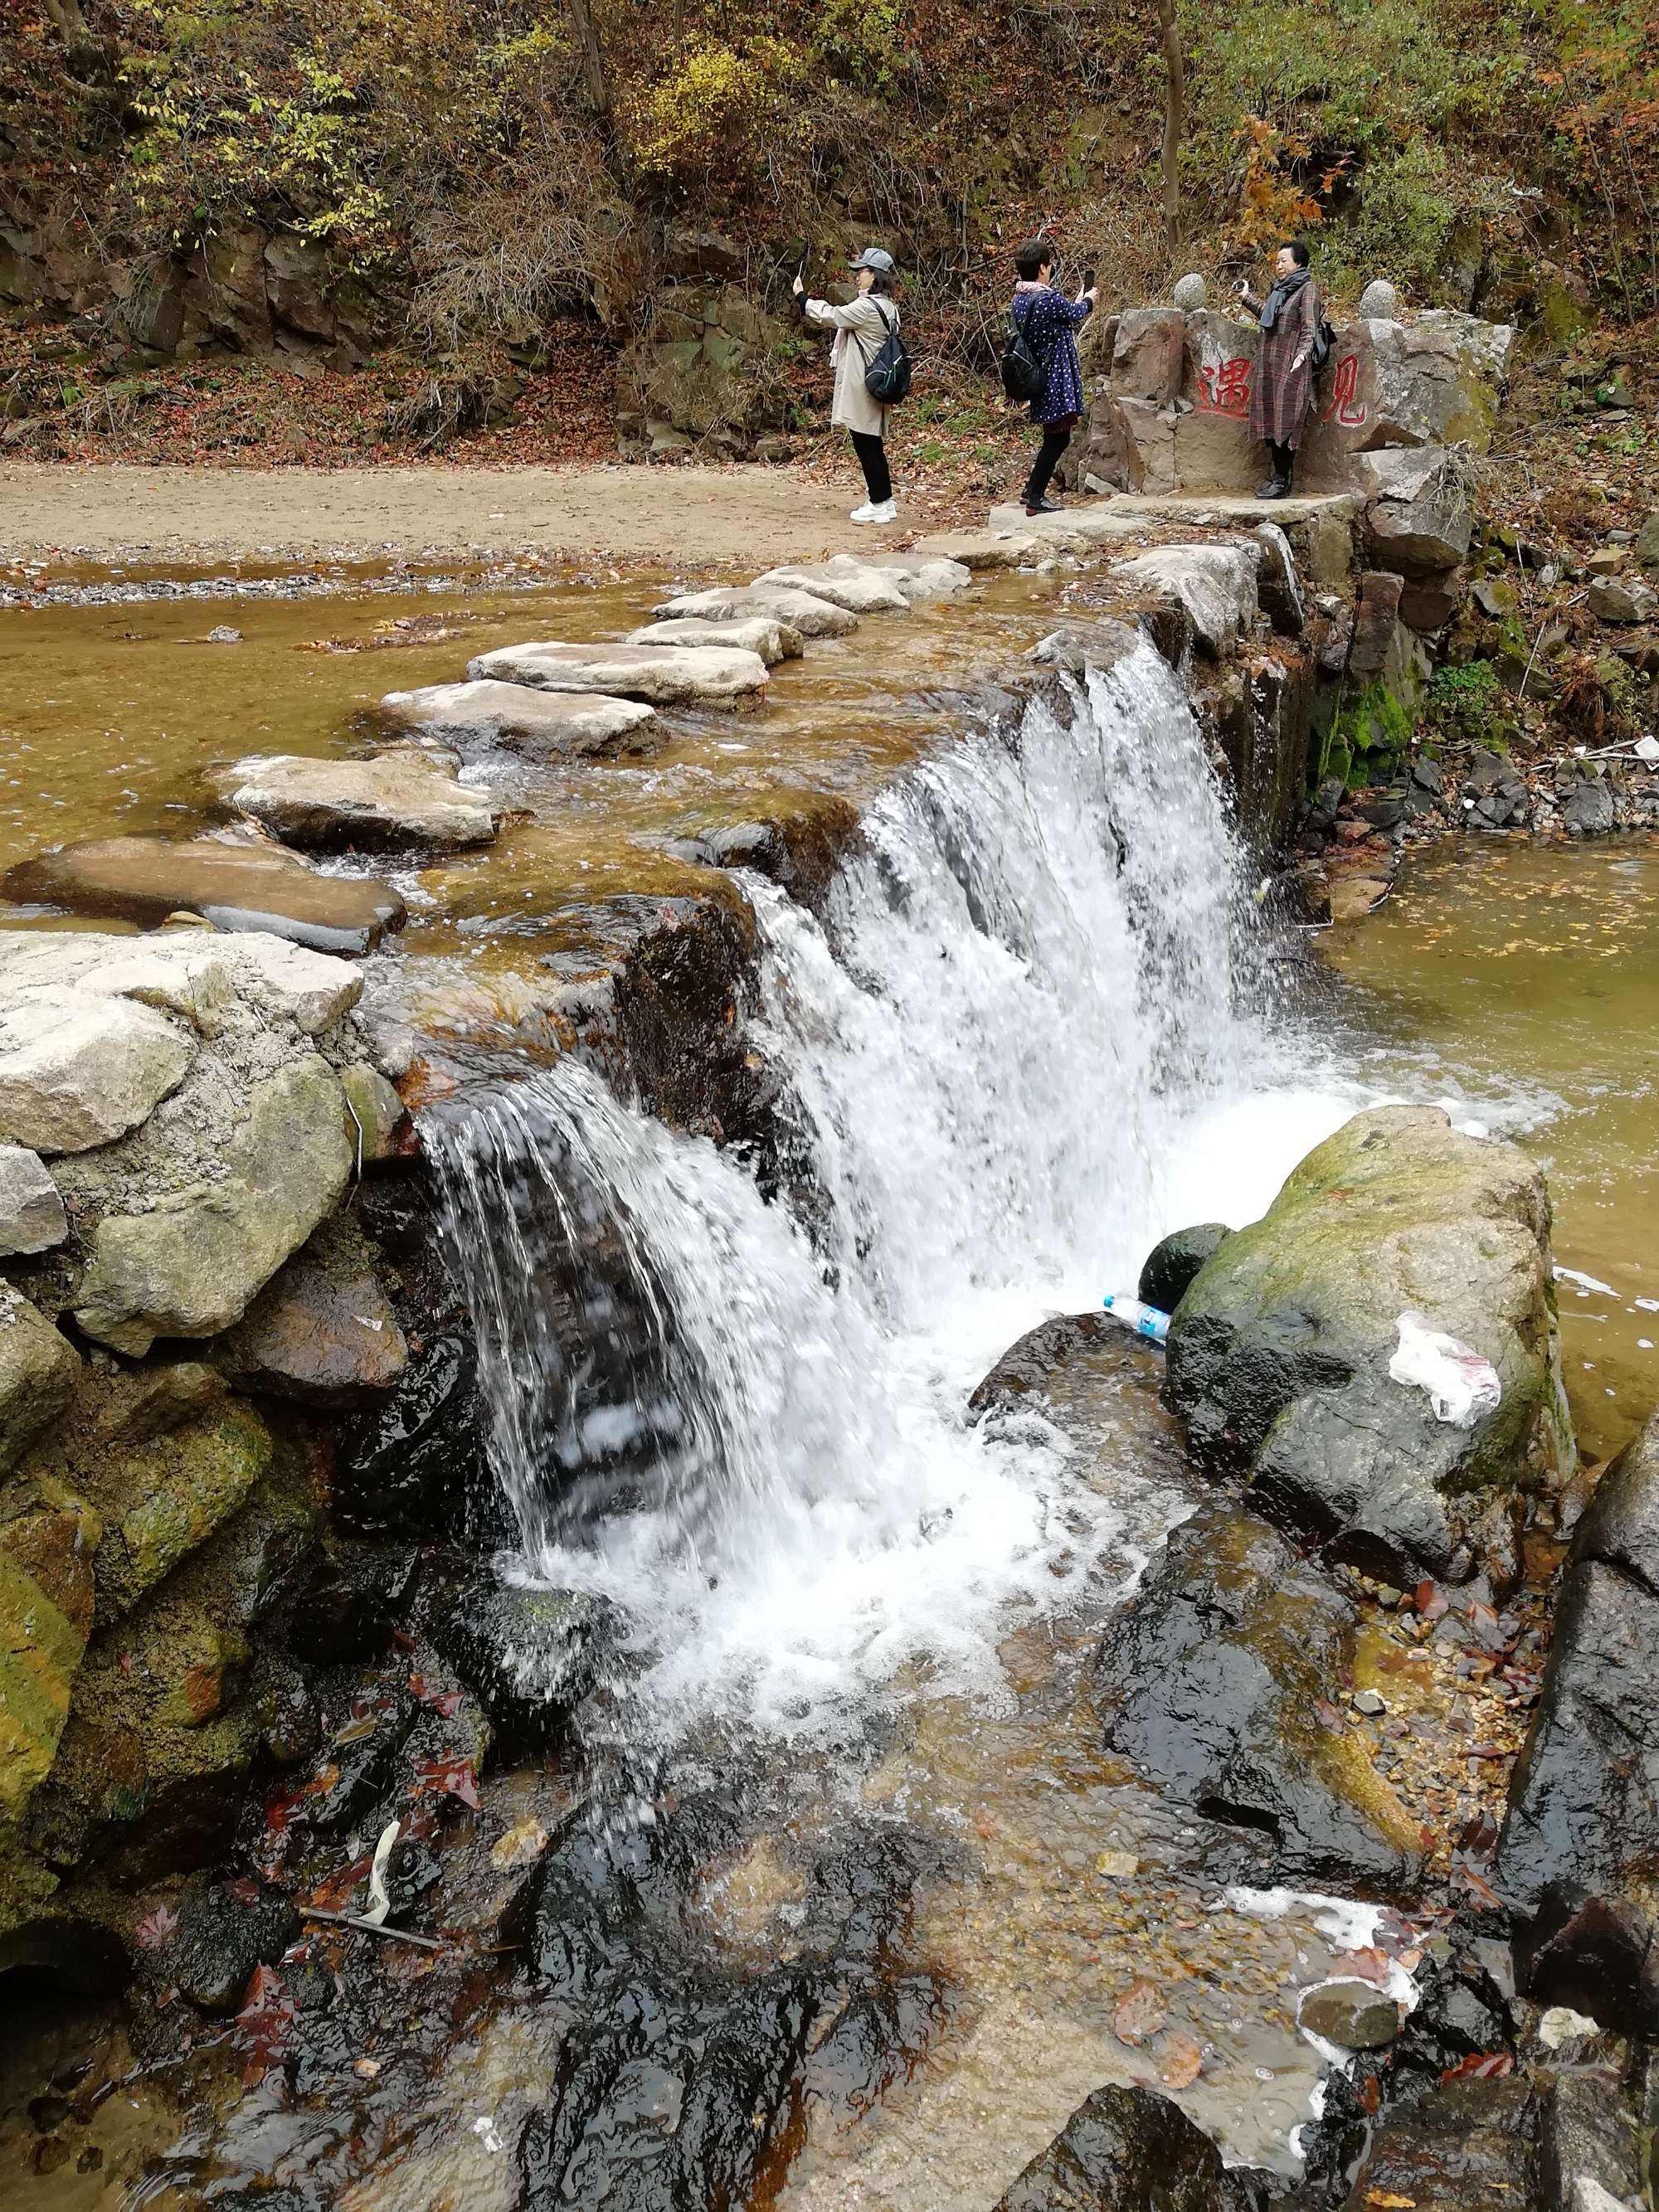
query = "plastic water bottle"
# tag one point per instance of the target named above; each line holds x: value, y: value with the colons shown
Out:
x: 1145, y: 1320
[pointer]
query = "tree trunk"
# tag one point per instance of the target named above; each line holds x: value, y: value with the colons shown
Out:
x: 1175, y: 117
x: 593, y: 58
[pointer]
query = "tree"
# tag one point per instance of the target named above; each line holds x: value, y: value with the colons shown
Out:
x: 1174, y: 117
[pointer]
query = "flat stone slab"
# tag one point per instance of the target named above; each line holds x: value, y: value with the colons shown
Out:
x: 538, y: 725
x: 977, y: 550
x: 803, y: 610
x: 235, y: 887
x: 78, y: 1071
x: 197, y: 974
x: 769, y: 636
x: 665, y: 675
x: 846, y: 582
x: 1231, y: 508
x: 1096, y: 524
x: 399, y: 798
x: 922, y: 577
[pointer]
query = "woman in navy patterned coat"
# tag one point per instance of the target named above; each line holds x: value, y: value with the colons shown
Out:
x: 1049, y: 322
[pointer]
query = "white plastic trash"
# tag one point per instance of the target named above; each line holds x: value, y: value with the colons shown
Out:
x: 1462, y: 1387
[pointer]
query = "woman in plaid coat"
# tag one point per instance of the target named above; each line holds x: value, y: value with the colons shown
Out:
x: 1282, y: 388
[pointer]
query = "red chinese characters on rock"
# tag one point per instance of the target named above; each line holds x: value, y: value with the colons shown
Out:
x: 1344, y: 405
x: 1224, y: 387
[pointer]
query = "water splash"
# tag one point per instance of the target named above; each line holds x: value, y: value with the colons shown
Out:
x: 1016, y: 1050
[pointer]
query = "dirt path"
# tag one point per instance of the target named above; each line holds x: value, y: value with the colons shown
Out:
x: 734, y: 514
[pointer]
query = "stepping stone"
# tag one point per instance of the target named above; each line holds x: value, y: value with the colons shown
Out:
x: 766, y: 634
x: 922, y: 576
x: 976, y: 549
x: 235, y: 887
x: 399, y: 798
x: 803, y: 610
x: 845, y: 582
x: 539, y: 725
x: 666, y: 675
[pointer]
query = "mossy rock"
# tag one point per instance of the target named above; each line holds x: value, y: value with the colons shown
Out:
x: 45, y: 1618
x: 1278, y: 1354
x: 163, y: 1500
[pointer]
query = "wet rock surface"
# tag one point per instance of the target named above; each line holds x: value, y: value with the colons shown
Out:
x: 322, y: 1332
x: 845, y: 581
x: 234, y: 886
x: 1575, y: 1859
x: 530, y: 1656
x: 540, y: 725
x: 400, y: 799
x: 1214, y: 1682
x: 773, y: 639
x: 1469, y: 2149
x: 219, y: 1940
x: 1130, y: 2150
x: 1279, y: 1355
x: 803, y: 610
x: 664, y: 676
x: 1172, y: 1265
x: 1214, y: 585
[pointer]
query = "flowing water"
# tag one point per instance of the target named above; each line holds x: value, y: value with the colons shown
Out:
x: 1029, y: 1035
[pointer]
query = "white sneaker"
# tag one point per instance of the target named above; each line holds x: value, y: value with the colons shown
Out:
x: 887, y: 511
x: 865, y: 513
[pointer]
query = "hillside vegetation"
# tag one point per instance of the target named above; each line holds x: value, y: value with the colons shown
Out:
x: 429, y: 189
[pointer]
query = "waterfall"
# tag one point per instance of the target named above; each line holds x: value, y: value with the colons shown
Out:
x: 1025, y: 1039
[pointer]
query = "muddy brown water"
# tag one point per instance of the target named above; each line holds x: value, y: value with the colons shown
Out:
x: 1527, y: 974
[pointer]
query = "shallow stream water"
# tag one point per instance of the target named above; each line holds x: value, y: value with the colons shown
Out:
x: 1035, y: 1026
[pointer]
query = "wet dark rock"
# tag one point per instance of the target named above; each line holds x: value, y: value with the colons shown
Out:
x: 1591, y: 2141
x: 220, y: 1938
x: 1427, y: 773
x: 1210, y: 1681
x: 360, y: 1770
x: 234, y: 886
x: 530, y: 1656
x: 1581, y: 1836
x: 1171, y: 1265
x: 1127, y: 2150
x: 1327, y: 804
x: 351, y: 1605
x: 1278, y: 1356
x: 412, y: 1464
x: 1470, y: 2148
x: 322, y: 1332
x: 1357, y: 2015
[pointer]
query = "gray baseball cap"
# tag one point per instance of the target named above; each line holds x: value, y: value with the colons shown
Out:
x: 873, y: 258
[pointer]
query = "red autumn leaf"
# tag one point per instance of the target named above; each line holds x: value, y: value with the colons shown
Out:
x: 244, y: 1891
x: 154, y: 1929
x: 1480, y: 2066
x: 1138, y: 2012
x: 445, y: 1703
x: 1430, y: 1601
x: 449, y: 1778
x: 263, y: 2023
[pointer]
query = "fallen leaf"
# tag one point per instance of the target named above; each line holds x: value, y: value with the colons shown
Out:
x: 154, y: 1929
x: 1138, y: 2012
x: 448, y: 1703
x: 263, y: 2023
x: 449, y: 1778
x: 1179, y: 2060
x: 523, y: 1841
x: 1480, y: 2066
x: 1386, y: 2201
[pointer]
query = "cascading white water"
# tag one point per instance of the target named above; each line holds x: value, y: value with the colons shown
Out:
x: 1026, y: 1041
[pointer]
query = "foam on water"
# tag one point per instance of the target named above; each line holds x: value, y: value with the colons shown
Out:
x: 1028, y: 1037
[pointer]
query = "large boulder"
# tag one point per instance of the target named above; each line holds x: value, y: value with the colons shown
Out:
x: 190, y: 1265
x: 540, y: 725
x: 1215, y: 585
x: 403, y: 797
x: 1146, y: 355
x: 1210, y: 1682
x: 198, y: 975
x: 1127, y: 2150
x: 805, y: 611
x: 665, y: 675
x: 1421, y: 514
x: 1280, y: 1353
x: 78, y: 1070
x: 1580, y: 1844
x: 234, y: 886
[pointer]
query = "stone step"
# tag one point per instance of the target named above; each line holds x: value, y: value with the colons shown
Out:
x: 846, y: 582
x: 234, y: 886
x: 540, y: 725
x: 769, y: 636
x: 400, y: 799
x: 665, y: 675
x: 811, y: 616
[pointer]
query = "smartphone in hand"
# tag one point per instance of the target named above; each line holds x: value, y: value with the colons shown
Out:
x: 1089, y: 280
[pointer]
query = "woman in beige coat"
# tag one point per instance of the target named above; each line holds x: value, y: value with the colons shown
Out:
x: 861, y: 328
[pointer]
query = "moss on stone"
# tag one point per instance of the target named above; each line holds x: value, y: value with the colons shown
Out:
x: 165, y: 1497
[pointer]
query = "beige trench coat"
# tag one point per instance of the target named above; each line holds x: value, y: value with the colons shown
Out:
x: 859, y: 327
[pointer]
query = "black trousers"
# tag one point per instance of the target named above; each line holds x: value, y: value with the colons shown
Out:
x: 872, y: 459
x: 1282, y: 460
x: 1056, y: 436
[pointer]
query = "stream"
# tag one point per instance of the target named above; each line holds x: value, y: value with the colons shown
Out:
x: 1036, y: 1023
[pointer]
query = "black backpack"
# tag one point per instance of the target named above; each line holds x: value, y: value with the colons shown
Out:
x: 1024, y: 375
x: 887, y: 374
